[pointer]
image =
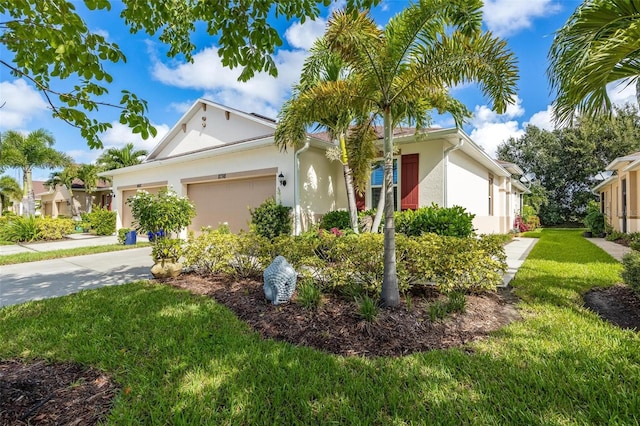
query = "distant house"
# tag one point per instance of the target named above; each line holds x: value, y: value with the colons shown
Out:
x: 57, y: 201
x: 226, y: 162
x: 618, y: 193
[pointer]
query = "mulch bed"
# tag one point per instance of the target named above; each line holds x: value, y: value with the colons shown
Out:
x: 53, y: 394
x: 619, y: 305
x: 337, y: 328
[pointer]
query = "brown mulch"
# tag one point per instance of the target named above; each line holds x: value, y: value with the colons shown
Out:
x: 619, y: 305
x: 337, y: 328
x: 53, y: 394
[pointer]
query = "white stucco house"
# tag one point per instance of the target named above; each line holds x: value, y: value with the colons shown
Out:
x: 226, y: 162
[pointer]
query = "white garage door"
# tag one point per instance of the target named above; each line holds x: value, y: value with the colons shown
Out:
x: 229, y: 201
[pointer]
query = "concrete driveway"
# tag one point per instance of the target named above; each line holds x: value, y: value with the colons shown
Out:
x: 59, y: 277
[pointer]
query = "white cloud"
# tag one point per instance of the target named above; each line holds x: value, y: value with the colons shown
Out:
x: 542, y: 119
x: 120, y: 135
x: 206, y: 73
x: 83, y: 156
x: 22, y: 104
x: 491, y: 129
x: 506, y: 17
x: 302, y: 36
x: 622, y: 93
x: 490, y: 135
x: 180, y: 107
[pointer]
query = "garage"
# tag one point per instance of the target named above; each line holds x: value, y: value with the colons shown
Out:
x: 127, y: 217
x: 229, y: 201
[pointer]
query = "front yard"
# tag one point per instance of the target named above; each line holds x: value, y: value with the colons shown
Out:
x: 180, y: 358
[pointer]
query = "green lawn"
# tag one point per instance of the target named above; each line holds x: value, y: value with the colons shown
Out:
x: 34, y: 256
x: 187, y: 360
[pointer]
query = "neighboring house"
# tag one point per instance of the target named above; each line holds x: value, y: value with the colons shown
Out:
x: 226, y: 162
x: 57, y: 201
x: 38, y: 188
x: 618, y: 193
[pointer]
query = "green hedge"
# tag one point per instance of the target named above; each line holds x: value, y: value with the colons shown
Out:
x: 28, y: 229
x: 271, y: 219
x: 353, y: 264
x: 452, y: 221
x: 103, y: 221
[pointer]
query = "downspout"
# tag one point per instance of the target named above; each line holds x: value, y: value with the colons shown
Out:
x: 446, y: 162
x: 297, y: 223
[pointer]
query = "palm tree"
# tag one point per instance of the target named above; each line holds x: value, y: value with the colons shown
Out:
x: 9, y: 190
x: 65, y: 177
x: 404, y: 69
x: 318, y: 99
x: 27, y: 152
x: 114, y: 158
x: 88, y: 174
x: 599, y: 44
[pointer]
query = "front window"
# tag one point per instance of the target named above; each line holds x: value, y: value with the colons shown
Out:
x: 377, y: 178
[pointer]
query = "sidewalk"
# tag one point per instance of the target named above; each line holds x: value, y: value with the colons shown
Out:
x: 72, y: 241
x: 614, y: 249
x: 517, y: 251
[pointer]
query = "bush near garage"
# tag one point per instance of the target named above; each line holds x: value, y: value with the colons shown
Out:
x: 102, y: 221
x: 54, y: 229
x: 631, y: 270
x: 271, y: 219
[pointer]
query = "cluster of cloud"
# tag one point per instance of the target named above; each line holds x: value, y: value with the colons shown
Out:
x: 264, y: 94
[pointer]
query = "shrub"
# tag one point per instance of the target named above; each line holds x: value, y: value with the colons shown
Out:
x: 167, y: 249
x: 298, y: 250
x: 594, y: 220
x: 103, y: 221
x: 210, y: 252
x: 634, y: 240
x: 271, y: 219
x: 631, y: 270
x: 122, y: 235
x: 21, y: 229
x: 251, y: 255
x: 165, y: 211
x: 453, y: 221
x: 54, y: 229
x: 336, y: 219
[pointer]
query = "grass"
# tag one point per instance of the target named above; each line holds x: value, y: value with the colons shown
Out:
x: 183, y: 359
x: 34, y: 256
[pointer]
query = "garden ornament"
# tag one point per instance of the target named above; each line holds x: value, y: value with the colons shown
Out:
x: 279, y: 281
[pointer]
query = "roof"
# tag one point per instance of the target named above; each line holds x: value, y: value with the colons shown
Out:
x: 632, y: 158
x: 39, y: 187
x: 193, y: 110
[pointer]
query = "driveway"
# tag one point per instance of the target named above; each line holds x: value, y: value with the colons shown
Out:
x: 59, y: 277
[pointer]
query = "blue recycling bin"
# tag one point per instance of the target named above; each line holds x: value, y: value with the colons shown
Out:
x: 130, y: 238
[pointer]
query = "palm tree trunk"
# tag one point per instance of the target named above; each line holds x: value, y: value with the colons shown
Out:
x: 390, y: 293
x: 348, y: 181
x: 28, y: 197
x: 379, y: 210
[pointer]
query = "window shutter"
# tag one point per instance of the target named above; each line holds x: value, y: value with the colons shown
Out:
x: 360, y: 202
x: 409, y: 182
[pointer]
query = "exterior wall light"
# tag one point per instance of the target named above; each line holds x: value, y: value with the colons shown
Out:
x: 282, y: 180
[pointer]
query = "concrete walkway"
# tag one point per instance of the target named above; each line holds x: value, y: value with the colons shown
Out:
x: 517, y: 251
x: 614, y: 249
x: 59, y: 277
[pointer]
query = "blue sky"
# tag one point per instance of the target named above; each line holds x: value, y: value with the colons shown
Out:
x: 170, y: 85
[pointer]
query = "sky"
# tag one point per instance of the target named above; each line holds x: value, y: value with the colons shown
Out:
x: 172, y: 85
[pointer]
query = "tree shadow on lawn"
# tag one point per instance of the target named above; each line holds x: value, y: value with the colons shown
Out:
x: 181, y: 358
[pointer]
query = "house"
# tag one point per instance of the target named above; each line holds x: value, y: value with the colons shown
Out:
x: 57, y: 201
x: 226, y: 162
x: 619, y: 193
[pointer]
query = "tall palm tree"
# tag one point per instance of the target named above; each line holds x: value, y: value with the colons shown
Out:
x: 599, y: 44
x: 114, y: 158
x: 404, y: 70
x: 9, y: 190
x: 65, y: 177
x: 88, y: 174
x: 318, y: 100
x: 28, y: 152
